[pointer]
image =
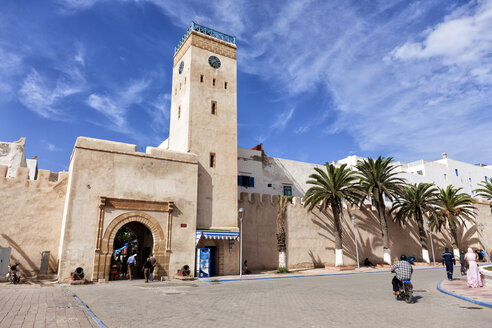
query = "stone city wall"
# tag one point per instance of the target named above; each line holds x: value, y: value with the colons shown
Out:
x: 310, y: 236
x: 31, y: 215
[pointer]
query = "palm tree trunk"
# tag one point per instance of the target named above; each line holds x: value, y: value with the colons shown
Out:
x: 281, y: 246
x: 384, y: 230
x: 338, y: 234
x: 454, y: 234
x: 423, y: 236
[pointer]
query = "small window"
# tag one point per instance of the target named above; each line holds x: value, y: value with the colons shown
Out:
x: 245, y: 181
x: 213, y: 82
x: 201, y: 78
x: 445, y: 176
x: 212, y: 159
x: 269, y: 185
x: 486, y: 180
x: 469, y: 179
x: 175, y: 91
x: 179, y: 112
x: 225, y: 85
x: 185, y: 80
x: 287, y: 190
x: 214, y: 108
x: 419, y: 172
x: 456, y: 171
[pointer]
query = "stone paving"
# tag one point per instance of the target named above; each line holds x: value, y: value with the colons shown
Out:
x: 459, y: 287
x: 363, y: 300
x: 26, y: 305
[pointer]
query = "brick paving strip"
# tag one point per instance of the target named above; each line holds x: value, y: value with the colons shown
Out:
x: 458, y: 288
x: 35, y: 306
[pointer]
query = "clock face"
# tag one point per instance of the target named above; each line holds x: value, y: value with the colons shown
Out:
x: 181, y: 66
x: 214, y: 62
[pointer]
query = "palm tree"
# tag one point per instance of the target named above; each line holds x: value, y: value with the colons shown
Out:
x: 329, y: 188
x: 415, y: 202
x: 281, y: 244
x: 377, y: 178
x: 455, y: 209
x: 485, y: 191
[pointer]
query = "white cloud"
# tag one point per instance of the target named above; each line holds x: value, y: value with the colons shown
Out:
x: 460, y: 39
x: 50, y: 146
x: 115, y: 106
x: 40, y: 97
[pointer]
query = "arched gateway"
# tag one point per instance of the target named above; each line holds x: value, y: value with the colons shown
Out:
x: 105, y: 242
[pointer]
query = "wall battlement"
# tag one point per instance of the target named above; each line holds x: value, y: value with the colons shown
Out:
x: 44, y: 177
x: 265, y: 199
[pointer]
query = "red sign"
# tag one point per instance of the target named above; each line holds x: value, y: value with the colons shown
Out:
x: 183, y: 225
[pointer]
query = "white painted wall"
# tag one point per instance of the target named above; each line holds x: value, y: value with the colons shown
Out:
x: 279, y: 172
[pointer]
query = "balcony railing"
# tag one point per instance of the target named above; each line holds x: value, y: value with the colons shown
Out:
x: 207, y: 31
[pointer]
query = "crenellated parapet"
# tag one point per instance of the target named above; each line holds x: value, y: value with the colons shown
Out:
x: 45, y: 178
x: 265, y: 199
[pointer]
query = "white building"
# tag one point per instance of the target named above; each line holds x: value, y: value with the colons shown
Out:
x: 258, y: 173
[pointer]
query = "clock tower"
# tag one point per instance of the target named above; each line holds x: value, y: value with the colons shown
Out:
x: 204, y: 120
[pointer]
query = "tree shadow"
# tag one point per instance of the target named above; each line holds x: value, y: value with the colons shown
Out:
x: 25, y: 259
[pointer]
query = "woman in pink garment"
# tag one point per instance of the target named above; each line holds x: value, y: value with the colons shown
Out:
x: 473, y: 275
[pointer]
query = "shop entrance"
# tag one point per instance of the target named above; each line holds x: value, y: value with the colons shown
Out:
x: 134, y: 238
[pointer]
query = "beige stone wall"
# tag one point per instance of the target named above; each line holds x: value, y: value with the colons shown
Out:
x: 30, y: 216
x: 101, y: 168
x: 310, y: 241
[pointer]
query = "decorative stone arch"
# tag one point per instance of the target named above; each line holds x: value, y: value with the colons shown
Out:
x: 105, y: 242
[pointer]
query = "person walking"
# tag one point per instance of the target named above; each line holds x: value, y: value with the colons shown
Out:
x: 473, y: 277
x: 154, y: 263
x: 146, y: 269
x: 463, y: 263
x: 131, y: 264
x: 449, y: 261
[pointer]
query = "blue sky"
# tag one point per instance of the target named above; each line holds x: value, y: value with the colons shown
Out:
x: 317, y: 80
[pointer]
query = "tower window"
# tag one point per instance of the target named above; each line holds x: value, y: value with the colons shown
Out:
x: 180, y: 86
x: 213, y: 82
x: 287, y: 190
x: 456, y: 171
x: 201, y: 78
x: 179, y: 112
x: 225, y: 85
x: 214, y: 108
x: 212, y: 159
x: 175, y: 91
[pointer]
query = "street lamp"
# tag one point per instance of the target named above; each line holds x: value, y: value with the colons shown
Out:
x: 356, y: 242
x: 241, y: 216
x: 432, y: 244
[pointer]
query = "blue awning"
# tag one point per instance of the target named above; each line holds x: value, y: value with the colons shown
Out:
x: 214, y: 234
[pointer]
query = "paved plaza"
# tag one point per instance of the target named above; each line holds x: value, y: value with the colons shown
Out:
x: 27, y: 305
x: 360, y: 300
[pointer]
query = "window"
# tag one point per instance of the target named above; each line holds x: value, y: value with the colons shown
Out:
x: 214, y: 108
x: 201, y: 78
x: 445, y: 176
x: 213, y: 82
x: 269, y: 185
x: 179, y: 112
x: 225, y: 85
x: 287, y: 190
x: 469, y: 179
x: 419, y: 172
x: 175, y: 91
x: 180, y: 86
x: 212, y: 159
x: 185, y: 80
x: 486, y: 179
x: 245, y: 181
x: 456, y: 171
